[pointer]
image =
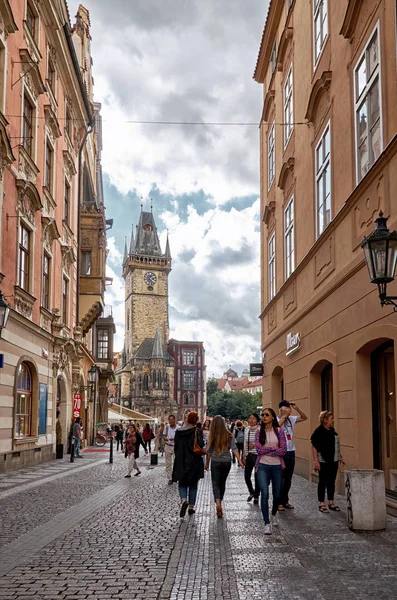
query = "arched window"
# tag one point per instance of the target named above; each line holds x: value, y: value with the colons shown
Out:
x: 160, y: 381
x: 23, y: 413
x: 327, y: 401
x: 154, y: 379
x: 191, y: 399
x: 185, y: 399
x: 145, y: 383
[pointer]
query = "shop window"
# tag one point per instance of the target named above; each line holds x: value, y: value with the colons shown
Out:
x: 23, y: 412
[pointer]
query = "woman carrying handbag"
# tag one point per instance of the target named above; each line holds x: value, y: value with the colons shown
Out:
x: 188, y: 464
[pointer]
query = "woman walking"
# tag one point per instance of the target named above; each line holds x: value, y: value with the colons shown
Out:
x: 132, y: 444
x: 271, y: 446
x: 327, y: 457
x: 239, y: 436
x: 250, y: 455
x: 159, y: 439
x: 147, y: 435
x: 119, y: 437
x: 188, y: 466
x: 220, y: 443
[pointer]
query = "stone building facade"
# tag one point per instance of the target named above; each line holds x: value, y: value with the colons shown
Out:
x: 46, y: 120
x: 190, y: 376
x: 328, y: 166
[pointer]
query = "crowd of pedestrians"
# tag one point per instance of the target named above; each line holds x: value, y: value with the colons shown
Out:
x: 263, y: 447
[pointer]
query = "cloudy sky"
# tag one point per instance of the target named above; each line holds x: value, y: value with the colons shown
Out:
x: 189, y: 61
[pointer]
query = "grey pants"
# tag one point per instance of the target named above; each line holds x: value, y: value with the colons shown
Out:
x: 219, y: 472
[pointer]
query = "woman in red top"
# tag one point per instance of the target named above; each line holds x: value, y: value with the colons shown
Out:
x: 147, y: 435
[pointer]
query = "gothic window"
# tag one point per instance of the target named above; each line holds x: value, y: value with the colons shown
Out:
x: 23, y: 413
x: 185, y: 399
x: 145, y: 384
x: 154, y: 379
x: 160, y: 381
x: 188, y: 357
x: 189, y: 379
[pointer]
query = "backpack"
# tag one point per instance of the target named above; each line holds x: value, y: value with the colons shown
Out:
x: 240, y: 436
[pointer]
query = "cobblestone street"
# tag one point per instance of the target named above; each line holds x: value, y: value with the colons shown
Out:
x: 80, y: 530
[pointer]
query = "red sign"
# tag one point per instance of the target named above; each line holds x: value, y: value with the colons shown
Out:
x: 76, y: 405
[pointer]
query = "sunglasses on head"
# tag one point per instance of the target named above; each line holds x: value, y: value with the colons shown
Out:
x: 266, y: 415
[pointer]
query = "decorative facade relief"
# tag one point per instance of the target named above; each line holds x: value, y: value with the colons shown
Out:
x: 26, y: 166
x: 289, y: 298
x: 50, y: 231
x: 371, y: 201
x: 272, y: 319
x: 51, y: 124
x: 31, y: 74
x: 28, y: 201
x: 69, y: 166
x: 23, y: 302
x: 68, y: 257
x: 324, y: 260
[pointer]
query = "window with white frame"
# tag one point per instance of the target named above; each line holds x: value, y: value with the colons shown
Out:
x: 320, y: 26
x: 270, y: 155
x: 45, y: 300
x: 188, y: 357
x: 27, y: 126
x: 49, y: 166
x: 65, y: 300
x: 273, y: 57
x: 288, y: 108
x: 367, y: 96
x: 103, y: 344
x: 271, y: 266
x: 24, y: 258
x: 189, y: 379
x: 289, y: 242
x: 323, y: 182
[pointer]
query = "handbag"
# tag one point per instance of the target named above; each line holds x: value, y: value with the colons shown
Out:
x: 196, y: 448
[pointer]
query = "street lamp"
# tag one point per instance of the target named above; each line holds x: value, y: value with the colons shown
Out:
x: 4, y: 312
x: 380, y: 252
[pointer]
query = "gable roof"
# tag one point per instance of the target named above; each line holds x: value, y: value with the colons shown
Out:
x: 145, y: 351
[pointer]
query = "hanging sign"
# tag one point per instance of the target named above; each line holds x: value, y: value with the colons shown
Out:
x: 293, y: 343
x: 76, y: 405
x: 256, y: 369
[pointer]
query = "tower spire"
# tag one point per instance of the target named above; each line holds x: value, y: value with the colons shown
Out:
x: 167, y: 248
x: 125, y: 257
x: 157, y: 351
x: 132, y: 241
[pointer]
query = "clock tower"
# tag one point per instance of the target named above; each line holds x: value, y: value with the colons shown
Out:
x: 145, y: 270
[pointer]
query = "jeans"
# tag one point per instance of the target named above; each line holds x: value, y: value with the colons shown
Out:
x: 326, y: 479
x: 219, y: 472
x: 119, y: 443
x: 267, y: 474
x: 289, y: 460
x: 188, y: 492
x: 250, y: 461
x: 76, y: 446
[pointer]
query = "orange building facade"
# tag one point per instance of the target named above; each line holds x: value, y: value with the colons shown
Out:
x: 47, y: 164
x: 328, y: 166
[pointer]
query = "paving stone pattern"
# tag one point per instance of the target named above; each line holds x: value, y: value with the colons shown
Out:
x: 91, y: 534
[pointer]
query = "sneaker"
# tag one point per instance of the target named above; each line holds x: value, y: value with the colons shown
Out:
x: 250, y: 497
x: 127, y: 476
x: 183, y: 510
x: 170, y: 482
x: 275, y: 521
x: 256, y: 500
x: 191, y: 511
x: 268, y: 529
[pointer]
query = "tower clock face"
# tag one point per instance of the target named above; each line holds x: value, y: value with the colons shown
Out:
x: 150, y: 278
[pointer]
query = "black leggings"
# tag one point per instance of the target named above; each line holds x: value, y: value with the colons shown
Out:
x: 219, y: 472
x: 119, y: 443
x: 250, y: 461
x: 326, y: 479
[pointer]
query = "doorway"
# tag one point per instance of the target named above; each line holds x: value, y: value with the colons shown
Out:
x: 384, y: 414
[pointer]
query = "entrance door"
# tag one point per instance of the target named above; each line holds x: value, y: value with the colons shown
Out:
x: 384, y: 411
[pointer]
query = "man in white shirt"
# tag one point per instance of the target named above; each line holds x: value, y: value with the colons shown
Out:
x: 169, y: 441
x: 287, y: 422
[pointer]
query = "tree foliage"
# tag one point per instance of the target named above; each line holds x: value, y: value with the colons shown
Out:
x: 231, y: 405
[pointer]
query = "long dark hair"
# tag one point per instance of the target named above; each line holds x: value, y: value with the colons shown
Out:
x: 275, y: 425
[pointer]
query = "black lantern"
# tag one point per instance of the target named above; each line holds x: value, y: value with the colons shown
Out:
x: 4, y: 312
x: 380, y: 252
x: 92, y: 374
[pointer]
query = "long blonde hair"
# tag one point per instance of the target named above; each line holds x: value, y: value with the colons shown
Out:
x: 219, y: 438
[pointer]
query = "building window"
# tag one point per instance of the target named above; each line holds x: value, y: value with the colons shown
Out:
x: 271, y: 151
x: 288, y: 108
x: 320, y: 19
x: 273, y: 57
x: 289, y: 243
x: 51, y: 75
x: 45, y: 301
x: 49, y: 160
x: 68, y: 122
x: 189, y: 379
x: 27, y: 125
x: 188, y: 357
x: 24, y: 258
x: 31, y: 20
x: 23, y: 413
x: 327, y: 402
x: 86, y: 263
x: 367, y: 107
x: 323, y: 182
x: 185, y: 399
x: 65, y: 295
x: 289, y: 4
x: 66, y: 202
x: 103, y: 344
x: 145, y: 384
x: 271, y: 266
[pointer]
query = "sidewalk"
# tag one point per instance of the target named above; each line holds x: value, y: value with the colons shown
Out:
x: 90, y: 533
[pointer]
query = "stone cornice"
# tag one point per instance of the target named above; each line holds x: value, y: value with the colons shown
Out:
x: 288, y: 167
x: 285, y: 39
x: 269, y: 32
x: 267, y: 105
x: 8, y: 17
x: 321, y: 85
x: 351, y: 16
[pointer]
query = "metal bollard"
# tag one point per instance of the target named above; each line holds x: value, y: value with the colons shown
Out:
x: 72, y: 452
x: 111, y: 451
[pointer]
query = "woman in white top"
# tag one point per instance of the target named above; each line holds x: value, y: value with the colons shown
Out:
x: 250, y: 455
x: 271, y: 446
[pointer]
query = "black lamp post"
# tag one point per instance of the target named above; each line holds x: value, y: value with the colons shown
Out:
x: 380, y: 252
x: 4, y: 312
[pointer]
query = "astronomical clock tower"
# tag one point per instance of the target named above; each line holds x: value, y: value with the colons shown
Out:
x: 147, y: 371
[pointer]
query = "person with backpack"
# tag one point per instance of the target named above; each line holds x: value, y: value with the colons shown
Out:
x: 239, y: 437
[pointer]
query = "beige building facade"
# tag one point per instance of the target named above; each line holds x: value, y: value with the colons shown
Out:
x: 328, y: 166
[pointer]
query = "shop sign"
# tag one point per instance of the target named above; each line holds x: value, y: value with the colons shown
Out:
x: 256, y: 369
x: 76, y: 405
x: 293, y: 343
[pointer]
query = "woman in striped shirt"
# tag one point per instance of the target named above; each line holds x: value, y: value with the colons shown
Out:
x: 249, y: 457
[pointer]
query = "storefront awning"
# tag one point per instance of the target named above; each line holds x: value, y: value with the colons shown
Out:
x: 114, y: 416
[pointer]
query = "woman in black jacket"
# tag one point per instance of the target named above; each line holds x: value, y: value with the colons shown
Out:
x: 188, y: 466
x: 327, y: 456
